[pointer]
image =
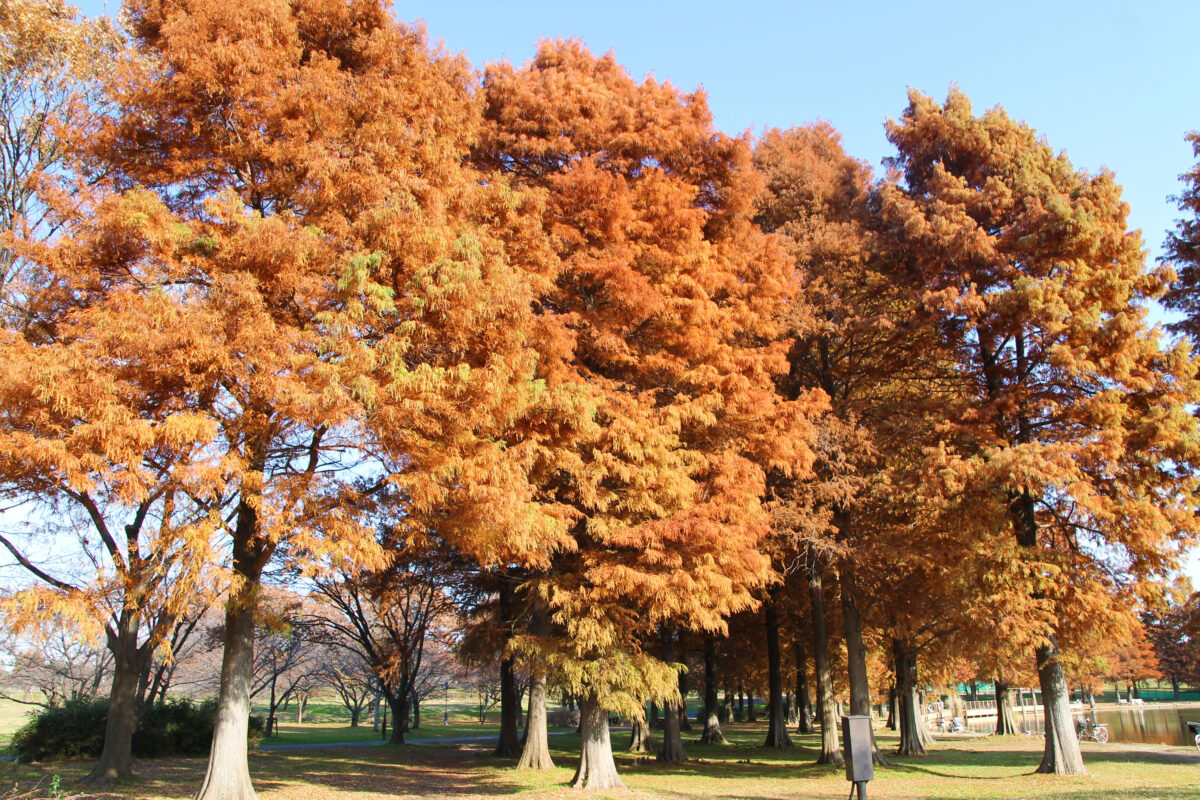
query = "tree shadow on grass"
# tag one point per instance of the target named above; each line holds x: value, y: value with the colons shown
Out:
x: 409, y: 771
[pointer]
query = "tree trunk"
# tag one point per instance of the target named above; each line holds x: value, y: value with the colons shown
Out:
x: 129, y: 663
x: 856, y: 653
x: 777, y: 735
x: 751, y: 713
x: 416, y: 710
x: 1062, y: 755
x: 893, y: 720
x: 725, y: 715
x: 911, y: 719
x: 803, y: 701
x: 1175, y: 687
x: 655, y: 723
x: 639, y: 736
x: 741, y: 709
x: 597, y: 769
x: 712, y: 724
x: 535, y: 754
x: 1006, y: 718
x: 355, y: 714
x: 672, y: 747
x: 685, y: 724
x: 509, y: 745
x: 228, y: 775
x: 830, y: 752
x: 399, y: 703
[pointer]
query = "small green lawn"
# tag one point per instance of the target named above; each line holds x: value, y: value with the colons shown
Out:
x: 13, y: 715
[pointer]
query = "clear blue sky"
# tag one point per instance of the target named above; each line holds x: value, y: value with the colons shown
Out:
x: 1115, y: 84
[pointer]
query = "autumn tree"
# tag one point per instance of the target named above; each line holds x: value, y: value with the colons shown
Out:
x: 1182, y: 250
x: 290, y: 267
x: 51, y: 63
x: 1077, y: 424
x: 1167, y: 622
x: 660, y: 309
x: 110, y: 489
x: 386, y: 616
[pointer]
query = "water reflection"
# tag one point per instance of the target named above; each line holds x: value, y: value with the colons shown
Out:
x: 1138, y: 724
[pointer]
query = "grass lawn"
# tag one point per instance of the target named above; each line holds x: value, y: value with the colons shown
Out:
x: 12, y: 716
x: 956, y: 768
x: 328, y: 721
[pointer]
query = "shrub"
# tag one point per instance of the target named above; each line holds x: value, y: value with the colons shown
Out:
x: 563, y: 718
x: 73, y: 730
x: 179, y: 727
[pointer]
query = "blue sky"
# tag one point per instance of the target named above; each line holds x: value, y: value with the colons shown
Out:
x: 1115, y: 84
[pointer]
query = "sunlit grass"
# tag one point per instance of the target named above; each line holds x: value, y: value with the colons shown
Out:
x: 985, y: 768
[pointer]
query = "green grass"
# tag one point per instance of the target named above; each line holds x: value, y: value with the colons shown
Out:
x: 986, y: 768
x: 327, y: 722
x: 12, y: 716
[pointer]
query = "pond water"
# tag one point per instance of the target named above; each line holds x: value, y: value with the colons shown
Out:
x: 1141, y: 724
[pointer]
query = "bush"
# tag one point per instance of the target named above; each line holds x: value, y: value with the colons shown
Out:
x: 179, y: 727
x: 563, y: 718
x: 73, y: 730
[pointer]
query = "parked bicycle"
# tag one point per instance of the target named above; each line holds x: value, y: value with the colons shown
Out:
x: 1096, y: 731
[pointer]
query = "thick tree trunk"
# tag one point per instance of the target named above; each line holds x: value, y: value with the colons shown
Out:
x: 712, y: 723
x: 509, y: 745
x: 1062, y: 755
x: 535, y: 753
x: 597, y: 769
x: 830, y: 752
x: 672, y: 747
x: 751, y: 712
x: 856, y: 652
x: 741, y: 707
x: 639, y: 736
x: 803, y: 702
x: 725, y: 715
x: 912, y: 722
x: 416, y: 710
x: 777, y: 735
x: 355, y: 715
x: 228, y: 775
x: 399, y: 704
x: 129, y: 663
x: 1006, y: 718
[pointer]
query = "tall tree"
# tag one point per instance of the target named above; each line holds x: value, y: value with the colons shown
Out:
x: 853, y: 343
x: 661, y: 309
x: 1182, y: 249
x: 308, y: 277
x: 1077, y: 420
x: 52, y: 61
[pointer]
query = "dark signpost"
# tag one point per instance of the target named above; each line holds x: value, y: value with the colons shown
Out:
x: 856, y: 739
